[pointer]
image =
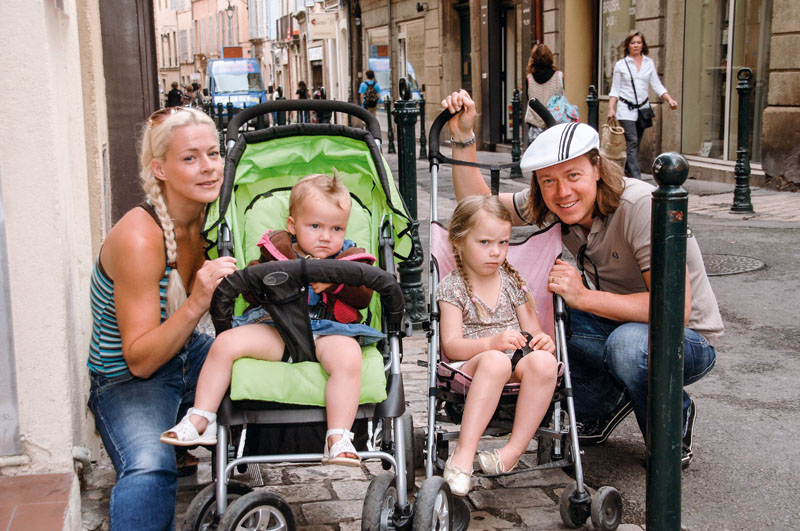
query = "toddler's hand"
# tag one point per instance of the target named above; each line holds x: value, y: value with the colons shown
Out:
x: 508, y: 340
x: 319, y: 287
x: 542, y: 341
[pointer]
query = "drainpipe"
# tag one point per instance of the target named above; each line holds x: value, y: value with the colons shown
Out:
x: 14, y: 460
x: 391, y: 70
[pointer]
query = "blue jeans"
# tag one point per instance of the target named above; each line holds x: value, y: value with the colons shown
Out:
x: 608, y: 358
x: 131, y: 413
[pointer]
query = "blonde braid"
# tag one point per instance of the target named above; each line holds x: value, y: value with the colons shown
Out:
x: 154, y: 144
x: 514, y: 274
x: 479, y: 309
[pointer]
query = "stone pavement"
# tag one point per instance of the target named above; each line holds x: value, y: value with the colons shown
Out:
x: 330, y: 498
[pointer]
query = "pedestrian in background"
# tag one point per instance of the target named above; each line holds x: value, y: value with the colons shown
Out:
x: 302, y: 94
x: 370, y: 93
x: 174, y: 96
x: 633, y: 75
x: 543, y: 81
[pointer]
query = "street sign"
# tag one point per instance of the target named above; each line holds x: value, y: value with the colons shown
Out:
x: 322, y: 26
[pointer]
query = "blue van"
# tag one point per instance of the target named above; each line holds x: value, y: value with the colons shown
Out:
x: 380, y: 66
x: 235, y: 80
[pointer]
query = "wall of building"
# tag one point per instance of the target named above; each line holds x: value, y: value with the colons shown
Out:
x: 50, y: 169
x: 780, y: 148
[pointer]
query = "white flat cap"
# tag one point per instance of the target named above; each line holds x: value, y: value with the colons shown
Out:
x: 559, y: 143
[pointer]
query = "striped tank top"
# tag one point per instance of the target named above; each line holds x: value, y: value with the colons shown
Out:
x: 105, y: 348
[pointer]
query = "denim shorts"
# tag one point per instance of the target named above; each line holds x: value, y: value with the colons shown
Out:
x: 365, y: 335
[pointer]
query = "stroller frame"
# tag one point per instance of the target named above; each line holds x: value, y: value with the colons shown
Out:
x: 559, y: 441
x: 392, y: 409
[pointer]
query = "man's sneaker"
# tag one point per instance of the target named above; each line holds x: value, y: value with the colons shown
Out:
x: 596, y: 432
x: 686, y: 443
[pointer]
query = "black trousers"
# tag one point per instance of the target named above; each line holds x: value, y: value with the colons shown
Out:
x: 633, y: 135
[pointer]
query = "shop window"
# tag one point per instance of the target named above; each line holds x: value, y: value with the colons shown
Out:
x: 721, y: 37
x: 617, y: 20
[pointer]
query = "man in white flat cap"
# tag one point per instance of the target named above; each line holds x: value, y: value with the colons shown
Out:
x: 606, y: 227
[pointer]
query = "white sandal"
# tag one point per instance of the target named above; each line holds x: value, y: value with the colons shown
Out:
x: 333, y: 455
x: 185, y: 434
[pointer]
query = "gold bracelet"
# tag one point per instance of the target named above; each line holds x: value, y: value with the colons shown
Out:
x: 464, y: 143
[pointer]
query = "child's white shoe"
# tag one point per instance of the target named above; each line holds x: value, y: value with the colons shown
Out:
x: 333, y: 455
x: 491, y: 462
x: 460, y: 480
x: 185, y: 434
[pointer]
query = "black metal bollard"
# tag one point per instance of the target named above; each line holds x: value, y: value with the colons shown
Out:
x: 665, y: 371
x: 387, y: 101
x: 741, y: 193
x: 423, y: 152
x: 592, y: 103
x: 516, y: 151
x: 231, y: 112
x: 260, y: 124
x: 405, y: 114
x: 220, y: 116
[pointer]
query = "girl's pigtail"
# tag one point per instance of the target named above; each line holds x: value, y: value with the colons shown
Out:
x: 479, y: 309
x: 514, y: 274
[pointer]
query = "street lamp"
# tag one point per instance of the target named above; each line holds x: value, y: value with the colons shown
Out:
x: 229, y: 10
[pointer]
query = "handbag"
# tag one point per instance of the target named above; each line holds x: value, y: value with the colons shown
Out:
x: 612, y: 140
x: 561, y: 109
x: 645, y: 115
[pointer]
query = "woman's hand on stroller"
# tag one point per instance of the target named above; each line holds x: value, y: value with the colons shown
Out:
x: 542, y: 341
x: 460, y: 124
x: 508, y: 340
x: 208, y: 278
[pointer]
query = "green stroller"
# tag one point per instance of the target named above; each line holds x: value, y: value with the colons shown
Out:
x: 282, y: 404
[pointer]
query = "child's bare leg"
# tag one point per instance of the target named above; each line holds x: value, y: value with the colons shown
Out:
x: 340, y: 356
x: 257, y: 341
x: 536, y: 374
x: 490, y: 371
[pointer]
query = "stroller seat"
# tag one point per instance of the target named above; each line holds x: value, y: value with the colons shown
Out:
x: 546, y: 245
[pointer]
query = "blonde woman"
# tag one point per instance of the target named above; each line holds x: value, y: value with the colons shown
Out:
x: 151, y: 285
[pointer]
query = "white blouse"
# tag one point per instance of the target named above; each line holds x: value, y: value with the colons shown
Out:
x: 643, y: 79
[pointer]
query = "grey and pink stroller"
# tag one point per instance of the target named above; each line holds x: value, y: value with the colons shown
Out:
x: 556, y: 438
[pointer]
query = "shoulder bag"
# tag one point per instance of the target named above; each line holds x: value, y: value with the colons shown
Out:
x: 645, y: 114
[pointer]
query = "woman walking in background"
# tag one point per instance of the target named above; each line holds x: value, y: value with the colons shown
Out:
x: 302, y: 94
x: 633, y: 75
x: 543, y: 81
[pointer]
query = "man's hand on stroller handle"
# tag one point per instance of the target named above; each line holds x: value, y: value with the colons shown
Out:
x: 460, y: 124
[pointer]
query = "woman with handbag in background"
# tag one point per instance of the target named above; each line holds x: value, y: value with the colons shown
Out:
x: 543, y: 81
x: 633, y: 75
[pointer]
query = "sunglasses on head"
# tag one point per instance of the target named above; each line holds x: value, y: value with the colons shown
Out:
x: 161, y: 114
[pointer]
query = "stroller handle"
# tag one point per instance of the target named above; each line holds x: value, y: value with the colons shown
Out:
x: 446, y: 115
x: 249, y: 113
x: 260, y: 280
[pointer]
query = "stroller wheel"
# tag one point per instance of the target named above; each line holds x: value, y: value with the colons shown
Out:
x: 202, y: 511
x: 408, y: 438
x: 379, y: 503
x: 259, y: 509
x: 606, y: 509
x: 574, y: 512
x: 433, y: 509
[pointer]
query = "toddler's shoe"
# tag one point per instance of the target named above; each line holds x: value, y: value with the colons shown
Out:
x: 460, y: 480
x: 491, y: 463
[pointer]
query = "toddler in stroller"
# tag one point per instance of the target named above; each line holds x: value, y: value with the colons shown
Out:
x: 319, y: 208
x: 484, y: 305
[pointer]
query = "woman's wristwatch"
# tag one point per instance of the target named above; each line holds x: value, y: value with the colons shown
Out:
x: 463, y: 143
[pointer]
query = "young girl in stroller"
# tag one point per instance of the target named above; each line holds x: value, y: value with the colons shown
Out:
x: 484, y: 305
x: 319, y: 208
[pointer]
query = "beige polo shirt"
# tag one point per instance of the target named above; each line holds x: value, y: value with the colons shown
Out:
x: 618, y: 246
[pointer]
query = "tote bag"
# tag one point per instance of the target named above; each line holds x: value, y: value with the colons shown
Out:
x: 561, y: 109
x: 612, y: 140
